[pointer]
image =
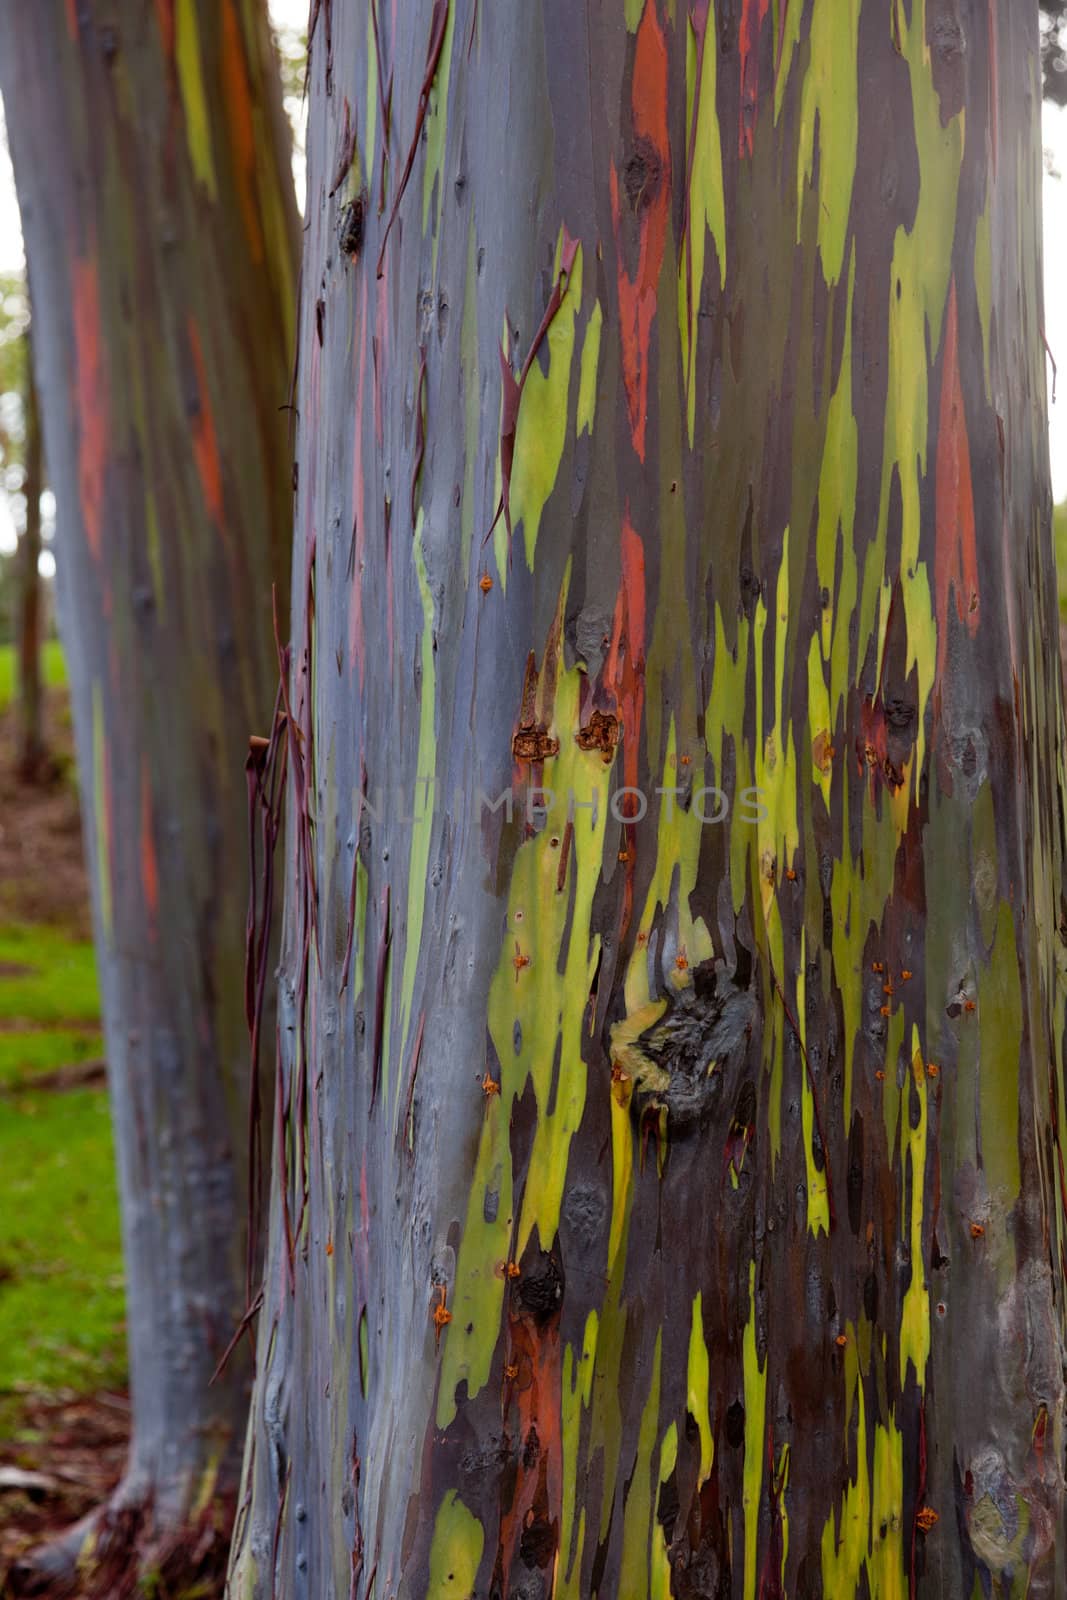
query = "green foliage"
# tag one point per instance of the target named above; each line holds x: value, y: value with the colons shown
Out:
x: 292, y: 47
x: 292, y: 50
x: 14, y: 324
x: 54, y: 669
x: 61, y: 1291
x: 14, y: 321
x: 14, y: 379
x: 1053, y: 53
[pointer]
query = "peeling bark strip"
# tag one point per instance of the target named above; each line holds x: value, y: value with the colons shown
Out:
x: 152, y: 160
x: 438, y: 21
x: 685, y: 1193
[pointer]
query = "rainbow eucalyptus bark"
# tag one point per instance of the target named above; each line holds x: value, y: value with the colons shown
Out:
x: 668, y: 1193
x: 151, y: 159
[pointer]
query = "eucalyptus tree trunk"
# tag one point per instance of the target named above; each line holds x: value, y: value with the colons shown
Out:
x: 152, y: 162
x: 668, y: 1192
x: 29, y: 717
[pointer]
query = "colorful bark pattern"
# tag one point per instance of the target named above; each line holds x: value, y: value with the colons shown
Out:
x: 152, y: 163
x: 689, y: 1164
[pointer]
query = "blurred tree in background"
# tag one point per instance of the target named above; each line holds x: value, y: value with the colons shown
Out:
x: 30, y: 621
x: 22, y: 598
x: 14, y: 363
x: 152, y: 161
x: 1054, y: 50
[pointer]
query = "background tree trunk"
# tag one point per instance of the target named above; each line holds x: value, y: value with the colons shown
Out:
x: 29, y: 709
x: 152, y: 162
x: 667, y: 1202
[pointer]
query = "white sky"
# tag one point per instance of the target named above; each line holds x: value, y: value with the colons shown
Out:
x: 293, y: 13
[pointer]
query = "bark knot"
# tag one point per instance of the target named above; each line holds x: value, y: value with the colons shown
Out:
x: 601, y: 732
x: 350, y: 225
x: 677, y: 1051
x: 642, y: 176
x: 531, y: 743
x: 540, y: 1287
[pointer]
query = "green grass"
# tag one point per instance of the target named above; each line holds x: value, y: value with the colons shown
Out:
x: 1059, y: 534
x: 55, y: 672
x: 46, y: 977
x: 61, y: 1291
x: 61, y: 1297
x: 25, y: 1056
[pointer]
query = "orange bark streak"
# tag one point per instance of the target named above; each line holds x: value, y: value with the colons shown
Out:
x: 647, y: 189
x: 205, y: 440
x: 237, y: 94
x: 535, y: 1394
x: 165, y: 13
x: 956, y: 560
x: 752, y: 17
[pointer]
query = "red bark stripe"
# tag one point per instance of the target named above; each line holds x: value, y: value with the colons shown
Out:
x: 533, y: 1405
x: 624, y: 672
x: 646, y: 182
x: 237, y: 95
x: 91, y: 398
x: 149, y: 864
x: 956, y: 560
x: 753, y: 14
x: 205, y: 439
x: 165, y: 13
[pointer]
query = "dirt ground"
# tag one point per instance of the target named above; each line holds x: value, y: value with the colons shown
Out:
x: 42, y: 869
x: 60, y: 1454
x: 67, y: 1458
